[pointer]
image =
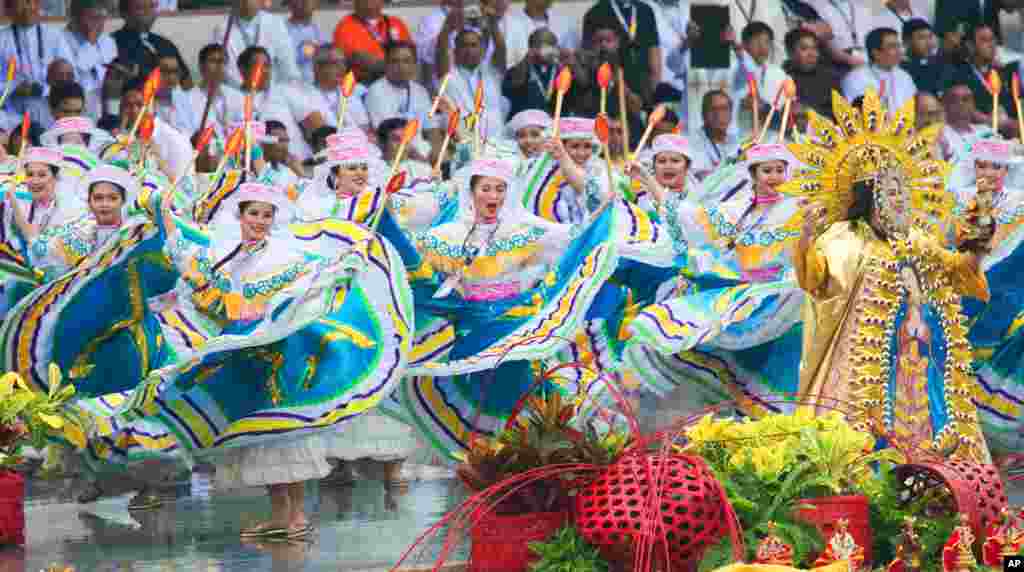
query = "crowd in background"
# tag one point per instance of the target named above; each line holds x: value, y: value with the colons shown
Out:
x: 939, y: 52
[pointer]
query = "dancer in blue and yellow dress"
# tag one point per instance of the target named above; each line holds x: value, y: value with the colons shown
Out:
x: 511, y: 286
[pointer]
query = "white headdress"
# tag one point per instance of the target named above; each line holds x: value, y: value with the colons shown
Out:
x: 80, y: 125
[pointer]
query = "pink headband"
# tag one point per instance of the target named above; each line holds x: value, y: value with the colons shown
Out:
x: 352, y: 152
x: 575, y: 127
x: 767, y: 152
x: 44, y: 155
x: 529, y: 118
x: 493, y: 168
x: 671, y: 144
x: 347, y: 137
x: 74, y: 124
x: 995, y: 151
x: 259, y: 192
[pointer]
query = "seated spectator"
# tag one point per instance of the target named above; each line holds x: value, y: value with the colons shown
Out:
x: 172, y: 147
x: 469, y: 70
x: 924, y: 67
x: 927, y: 110
x: 328, y: 70
x: 962, y: 16
x: 282, y: 168
x: 718, y: 140
x: 638, y: 45
x: 138, y: 48
x: 399, y: 95
x: 848, y: 23
x: 981, y: 56
x: 172, y: 104
x: 882, y: 74
x: 254, y: 26
x: 961, y: 127
x: 364, y: 34
x: 416, y: 164
x: 675, y: 34
x: 35, y: 46
x: 814, y: 80
x: 91, y: 49
x: 758, y: 40
x: 896, y: 14
x: 429, y: 28
x: 290, y: 105
x: 522, y: 22
x: 530, y: 83
x: 306, y: 36
x: 66, y: 99
x: 228, y: 104
x: 584, y: 97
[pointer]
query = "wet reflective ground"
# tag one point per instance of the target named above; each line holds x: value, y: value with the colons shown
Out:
x: 360, y: 527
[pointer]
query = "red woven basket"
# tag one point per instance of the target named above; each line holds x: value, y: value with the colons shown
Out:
x: 976, y: 489
x: 691, y: 508
x: 828, y: 510
x: 501, y: 542
x: 12, y: 508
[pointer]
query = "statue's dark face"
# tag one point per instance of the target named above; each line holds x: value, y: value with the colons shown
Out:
x: 892, y: 204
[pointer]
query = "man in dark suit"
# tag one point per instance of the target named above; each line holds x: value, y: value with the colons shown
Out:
x: 963, y: 15
x: 141, y: 49
x: 974, y: 73
x: 927, y: 70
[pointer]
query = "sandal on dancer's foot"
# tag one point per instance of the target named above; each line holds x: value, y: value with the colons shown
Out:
x: 300, y: 531
x: 264, y: 530
x: 145, y: 500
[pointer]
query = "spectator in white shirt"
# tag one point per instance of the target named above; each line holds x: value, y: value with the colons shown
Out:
x: 328, y: 70
x: 430, y: 28
x: 172, y: 104
x: 470, y: 71
x: 228, y: 103
x: 896, y: 13
x: 282, y: 168
x: 66, y: 100
x: 397, y: 94
x: 91, y: 50
x: 286, y: 103
x: 755, y: 61
x: 960, y: 129
x: 35, y: 46
x: 675, y: 35
x: 883, y: 74
x: 718, y: 140
x: 520, y: 23
x: 849, y: 21
x: 172, y: 147
x: 255, y: 27
x: 306, y: 36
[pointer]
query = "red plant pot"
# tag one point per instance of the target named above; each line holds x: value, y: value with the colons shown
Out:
x: 12, y: 508
x: 501, y: 542
x: 828, y: 510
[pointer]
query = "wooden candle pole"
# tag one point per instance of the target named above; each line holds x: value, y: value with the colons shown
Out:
x: 562, y: 84
x: 440, y: 93
x: 604, y: 78
x: 996, y: 85
x: 755, y: 101
x: 789, y: 92
x: 453, y: 127
x: 1016, y: 102
x: 771, y: 114
x: 656, y: 116
x: 12, y: 69
x: 347, y: 85
x: 623, y: 112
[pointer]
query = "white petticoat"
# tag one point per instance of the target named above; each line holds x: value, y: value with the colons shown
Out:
x: 292, y: 461
x: 371, y: 436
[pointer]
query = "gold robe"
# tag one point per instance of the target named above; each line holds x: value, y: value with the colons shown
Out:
x: 854, y: 294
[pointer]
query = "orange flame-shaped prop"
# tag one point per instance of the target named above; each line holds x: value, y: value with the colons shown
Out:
x: 147, y: 127
x: 995, y: 84
x: 478, y: 98
x: 604, y: 75
x: 26, y: 121
x: 603, y: 132
x: 348, y: 84
x: 411, y: 128
x: 235, y: 142
x: 12, y: 68
x: 395, y: 183
x: 655, y: 118
x: 256, y: 79
x: 755, y: 101
x: 1015, y: 88
x: 150, y: 86
x: 601, y: 129
x: 453, y: 123
x: 562, y: 84
x: 789, y: 90
x: 205, y: 136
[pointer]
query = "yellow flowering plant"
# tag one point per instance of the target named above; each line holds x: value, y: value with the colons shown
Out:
x: 768, y: 465
x: 29, y: 417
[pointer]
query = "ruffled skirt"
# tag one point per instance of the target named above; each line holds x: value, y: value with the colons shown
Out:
x: 291, y: 461
x: 372, y: 436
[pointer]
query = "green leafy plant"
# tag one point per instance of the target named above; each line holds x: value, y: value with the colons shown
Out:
x: 29, y: 417
x: 567, y: 551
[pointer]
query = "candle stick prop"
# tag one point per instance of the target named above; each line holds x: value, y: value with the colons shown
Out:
x: 996, y: 85
x: 562, y: 84
x: 623, y: 113
x: 478, y: 110
x: 604, y: 77
x: 254, y: 83
x: 755, y: 102
x: 148, y: 95
x: 231, y: 148
x: 12, y: 68
x: 453, y: 127
x: 346, y: 86
x: 1015, y: 85
x: 410, y: 131
x: 655, y: 118
x: 26, y: 121
x: 146, y: 129
x: 440, y: 94
x: 771, y: 114
x: 789, y: 90
x: 602, y: 131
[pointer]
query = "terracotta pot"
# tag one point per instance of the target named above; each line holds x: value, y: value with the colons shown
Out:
x: 501, y: 542
x: 828, y: 510
x: 12, y: 508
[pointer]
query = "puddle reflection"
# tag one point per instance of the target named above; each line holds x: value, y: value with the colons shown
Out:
x: 363, y: 526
